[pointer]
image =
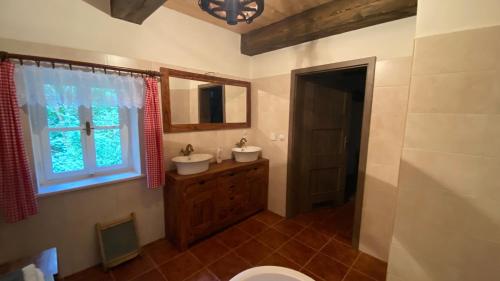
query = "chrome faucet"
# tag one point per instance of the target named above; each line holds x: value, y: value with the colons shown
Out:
x: 188, y: 150
x: 242, y: 143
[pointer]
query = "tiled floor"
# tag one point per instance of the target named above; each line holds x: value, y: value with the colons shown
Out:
x: 316, y: 244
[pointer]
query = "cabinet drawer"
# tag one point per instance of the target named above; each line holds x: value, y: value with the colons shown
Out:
x: 256, y: 171
x: 233, y: 208
x: 239, y: 194
x: 231, y: 178
x: 232, y: 188
x: 199, y: 186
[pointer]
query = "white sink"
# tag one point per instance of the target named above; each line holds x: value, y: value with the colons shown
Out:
x: 246, y: 153
x: 192, y: 164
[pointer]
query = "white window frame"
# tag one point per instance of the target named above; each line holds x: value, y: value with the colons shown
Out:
x: 49, y: 182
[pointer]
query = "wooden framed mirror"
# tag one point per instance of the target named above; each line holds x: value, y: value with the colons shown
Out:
x: 199, y: 102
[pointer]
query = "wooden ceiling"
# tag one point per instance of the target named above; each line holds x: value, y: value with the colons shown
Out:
x: 274, y: 11
x: 286, y: 23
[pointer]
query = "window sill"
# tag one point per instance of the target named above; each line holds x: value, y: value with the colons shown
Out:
x: 49, y: 190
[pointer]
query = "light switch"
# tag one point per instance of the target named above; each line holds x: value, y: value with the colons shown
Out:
x: 281, y: 137
x: 273, y: 137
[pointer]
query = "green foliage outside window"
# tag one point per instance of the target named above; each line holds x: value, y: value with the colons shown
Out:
x: 108, y: 147
x: 66, y: 146
x: 66, y: 151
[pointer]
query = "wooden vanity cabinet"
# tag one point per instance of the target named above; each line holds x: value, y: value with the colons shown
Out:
x: 199, y: 205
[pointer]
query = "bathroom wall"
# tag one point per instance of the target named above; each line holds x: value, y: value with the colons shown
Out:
x: 448, y: 221
x: 163, y: 41
x: 76, y: 30
x: 166, y: 36
x: 271, y: 102
x: 445, y: 16
x: 235, y: 104
x: 180, y: 99
x: 67, y: 220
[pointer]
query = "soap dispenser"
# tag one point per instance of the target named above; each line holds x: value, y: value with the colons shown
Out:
x: 218, y: 155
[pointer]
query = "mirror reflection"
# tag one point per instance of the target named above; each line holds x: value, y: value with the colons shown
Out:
x: 199, y: 102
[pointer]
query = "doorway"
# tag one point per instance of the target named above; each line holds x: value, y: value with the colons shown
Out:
x: 211, y: 103
x: 330, y: 110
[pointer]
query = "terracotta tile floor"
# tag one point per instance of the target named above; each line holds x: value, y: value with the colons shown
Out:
x: 316, y: 243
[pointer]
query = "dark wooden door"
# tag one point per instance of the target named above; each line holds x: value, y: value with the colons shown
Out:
x: 324, y: 137
x: 201, y: 213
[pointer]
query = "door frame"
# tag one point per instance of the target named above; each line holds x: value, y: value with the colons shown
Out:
x: 292, y: 191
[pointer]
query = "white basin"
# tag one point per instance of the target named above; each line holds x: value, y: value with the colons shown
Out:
x: 246, y: 153
x: 192, y: 164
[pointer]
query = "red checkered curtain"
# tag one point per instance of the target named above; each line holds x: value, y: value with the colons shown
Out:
x: 153, y: 143
x: 17, y: 193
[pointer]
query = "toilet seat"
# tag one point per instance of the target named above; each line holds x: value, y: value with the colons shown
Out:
x: 271, y: 273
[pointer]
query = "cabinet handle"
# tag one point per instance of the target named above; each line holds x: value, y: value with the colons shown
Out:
x: 202, y: 182
x: 255, y: 169
x: 231, y: 174
x: 231, y: 198
x: 232, y: 186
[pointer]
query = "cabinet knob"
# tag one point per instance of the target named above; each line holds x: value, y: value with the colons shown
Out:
x: 202, y: 182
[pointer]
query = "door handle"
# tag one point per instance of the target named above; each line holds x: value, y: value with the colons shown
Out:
x: 88, y: 128
x: 345, y: 143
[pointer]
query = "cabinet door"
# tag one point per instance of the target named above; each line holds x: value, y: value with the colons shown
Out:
x: 200, y: 214
x: 257, y: 189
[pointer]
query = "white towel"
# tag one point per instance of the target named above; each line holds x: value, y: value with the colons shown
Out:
x: 31, y: 273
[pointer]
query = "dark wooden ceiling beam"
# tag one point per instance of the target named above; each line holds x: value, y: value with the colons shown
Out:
x: 332, y: 18
x: 135, y: 11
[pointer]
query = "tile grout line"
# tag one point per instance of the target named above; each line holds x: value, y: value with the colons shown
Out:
x: 204, y: 266
x: 331, y: 238
x: 254, y: 236
x: 315, y: 254
x: 364, y: 274
x: 351, y: 267
x: 275, y: 251
x: 230, y: 249
x: 157, y: 267
x: 287, y: 241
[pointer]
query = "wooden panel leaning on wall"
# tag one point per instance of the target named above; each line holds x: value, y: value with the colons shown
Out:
x: 199, y: 205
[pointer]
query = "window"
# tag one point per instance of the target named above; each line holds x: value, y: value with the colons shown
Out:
x: 80, y: 146
x: 84, y: 125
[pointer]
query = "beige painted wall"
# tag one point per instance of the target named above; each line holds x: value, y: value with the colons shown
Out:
x: 235, y: 104
x: 166, y: 36
x: 392, y: 76
x: 448, y: 219
x: 444, y: 16
x: 162, y: 39
x: 67, y: 220
x: 181, y: 107
x: 389, y: 107
x: 392, y: 43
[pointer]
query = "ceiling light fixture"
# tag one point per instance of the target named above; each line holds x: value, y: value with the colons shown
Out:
x: 233, y: 11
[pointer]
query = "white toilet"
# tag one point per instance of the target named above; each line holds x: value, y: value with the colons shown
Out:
x: 271, y: 273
